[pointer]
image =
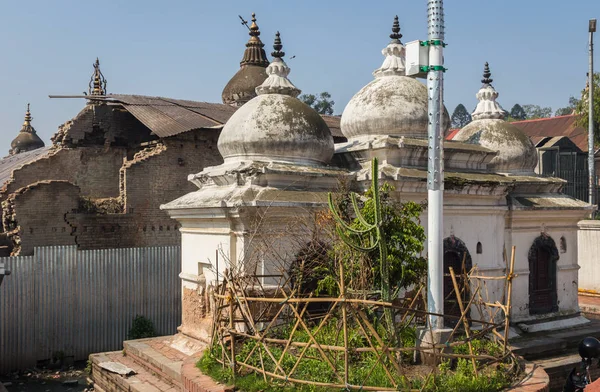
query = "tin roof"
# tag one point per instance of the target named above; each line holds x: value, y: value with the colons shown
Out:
x: 11, y: 162
x: 168, y: 117
x: 555, y: 126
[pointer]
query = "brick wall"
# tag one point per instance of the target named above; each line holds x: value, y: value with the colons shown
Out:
x: 159, y: 174
x: 35, y: 215
x: 94, y: 169
x: 105, y: 124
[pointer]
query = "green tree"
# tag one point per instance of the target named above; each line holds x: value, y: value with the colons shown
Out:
x: 322, y: 103
x: 460, y: 116
x: 536, y: 111
x: 573, y: 102
x: 518, y: 113
x: 582, y: 108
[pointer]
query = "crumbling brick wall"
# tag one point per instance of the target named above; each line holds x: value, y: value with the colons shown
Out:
x: 35, y: 215
x: 94, y: 169
x: 158, y: 175
x: 105, y: 124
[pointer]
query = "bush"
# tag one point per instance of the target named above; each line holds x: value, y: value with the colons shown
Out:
x: 141, y: 328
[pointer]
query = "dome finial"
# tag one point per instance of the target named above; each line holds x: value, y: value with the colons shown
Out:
x: 97, y: 85
x: 395, y: 36
x: 278, y: 71
x: 394, y: 53
x: 486, y: 75
x: 277, y: 46
x: 28, y: 118
x: 487, y: 108
x: 254, y: 53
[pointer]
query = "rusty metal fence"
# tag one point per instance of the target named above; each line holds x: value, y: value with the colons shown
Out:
x: 62, y: 301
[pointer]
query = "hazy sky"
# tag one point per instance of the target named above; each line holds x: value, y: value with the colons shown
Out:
x: 537, y: 49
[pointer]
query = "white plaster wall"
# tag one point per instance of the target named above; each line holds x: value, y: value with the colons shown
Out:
x: 198, y: 254
x: 566, y: 275
x: 589, y: 255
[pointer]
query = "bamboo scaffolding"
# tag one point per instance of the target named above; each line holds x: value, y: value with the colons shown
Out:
x: 236, y: 315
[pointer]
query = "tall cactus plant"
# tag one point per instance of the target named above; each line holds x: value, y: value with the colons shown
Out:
x: 371, y: 230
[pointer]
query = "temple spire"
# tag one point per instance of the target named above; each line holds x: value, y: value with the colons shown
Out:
x: 27, y: 139
x: 394, y: 53
x: 486, y: 75
x: 278, y: 71
x: 395, y: 36
x: 487, y: 108
x: 97, y: 85
x: 27, y: 123
x: 254, y: 53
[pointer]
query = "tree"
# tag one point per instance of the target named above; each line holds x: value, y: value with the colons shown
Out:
x: 518, y: 113
x: 460, y: 116
x: 322, y: 104
x: 573, y: 102
x: 582, y: 108
x: 536, y: 111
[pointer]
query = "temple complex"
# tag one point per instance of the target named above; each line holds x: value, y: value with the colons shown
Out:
x: 279, y: 163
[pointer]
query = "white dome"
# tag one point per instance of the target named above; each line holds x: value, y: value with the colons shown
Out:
x: 275, y: 125
x: 390, y: 105
x: 516, y: 153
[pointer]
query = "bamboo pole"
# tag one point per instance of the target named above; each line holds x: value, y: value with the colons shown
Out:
x: 464, y: 320
x: 509, y: 278
x: 344, y: 321
x: 232, y: 336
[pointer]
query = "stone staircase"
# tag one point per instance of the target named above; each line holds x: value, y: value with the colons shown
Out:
x: 556, y: 351
x: 160, y: 364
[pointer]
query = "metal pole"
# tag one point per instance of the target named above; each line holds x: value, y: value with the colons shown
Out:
x: 591, y: 168
x: 435, y: 166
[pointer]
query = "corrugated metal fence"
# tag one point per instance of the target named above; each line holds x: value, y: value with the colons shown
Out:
x: 81, y: 302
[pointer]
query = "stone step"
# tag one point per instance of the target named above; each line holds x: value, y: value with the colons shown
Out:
x: 156, y: 356
x: 550, y: 344
x: 142, y: 381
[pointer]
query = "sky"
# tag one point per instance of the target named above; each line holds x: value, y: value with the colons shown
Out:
x: 189, y: 49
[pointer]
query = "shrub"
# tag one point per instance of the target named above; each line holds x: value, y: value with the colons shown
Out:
x: 141, y: 328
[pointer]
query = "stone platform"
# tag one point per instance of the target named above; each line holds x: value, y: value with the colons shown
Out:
x: 165, y: 363
x: 168, y: 364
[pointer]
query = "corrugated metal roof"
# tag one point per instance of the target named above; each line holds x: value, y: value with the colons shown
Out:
x: 553, y: 127
x: 9, y: 163
x: 167, y: 117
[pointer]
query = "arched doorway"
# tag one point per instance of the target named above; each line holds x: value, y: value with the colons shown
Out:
x: 455, y: 251
x: 543, y: 256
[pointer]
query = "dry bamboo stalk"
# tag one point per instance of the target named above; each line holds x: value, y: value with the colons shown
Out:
x: 345, y: 322
x: 457, y: 324
x: 353, y: 301
x: 464, y: 320
x: 317, y: 345
x: 412, y: 303
x: 487, y: 277
x: 262, y: 364
x: 310, y: 343
x: 364, y: 318
x: 289, y: 341
x: 372, y: 347
x: 232, y: 337
x: 509, y: 295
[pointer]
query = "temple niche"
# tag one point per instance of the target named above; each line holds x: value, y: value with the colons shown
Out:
x: 280, y: 161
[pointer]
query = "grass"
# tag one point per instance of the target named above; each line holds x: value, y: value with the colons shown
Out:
x: 364, y: 367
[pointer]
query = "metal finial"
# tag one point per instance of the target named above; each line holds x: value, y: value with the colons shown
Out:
x: 277, y: 53
x: 486, y: 74
x: 97, y: 85
x: 28, y: 116
x: 254, y: 31
x: 395, y: 36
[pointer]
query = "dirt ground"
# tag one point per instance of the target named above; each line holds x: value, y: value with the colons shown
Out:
x: 72, y: 379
